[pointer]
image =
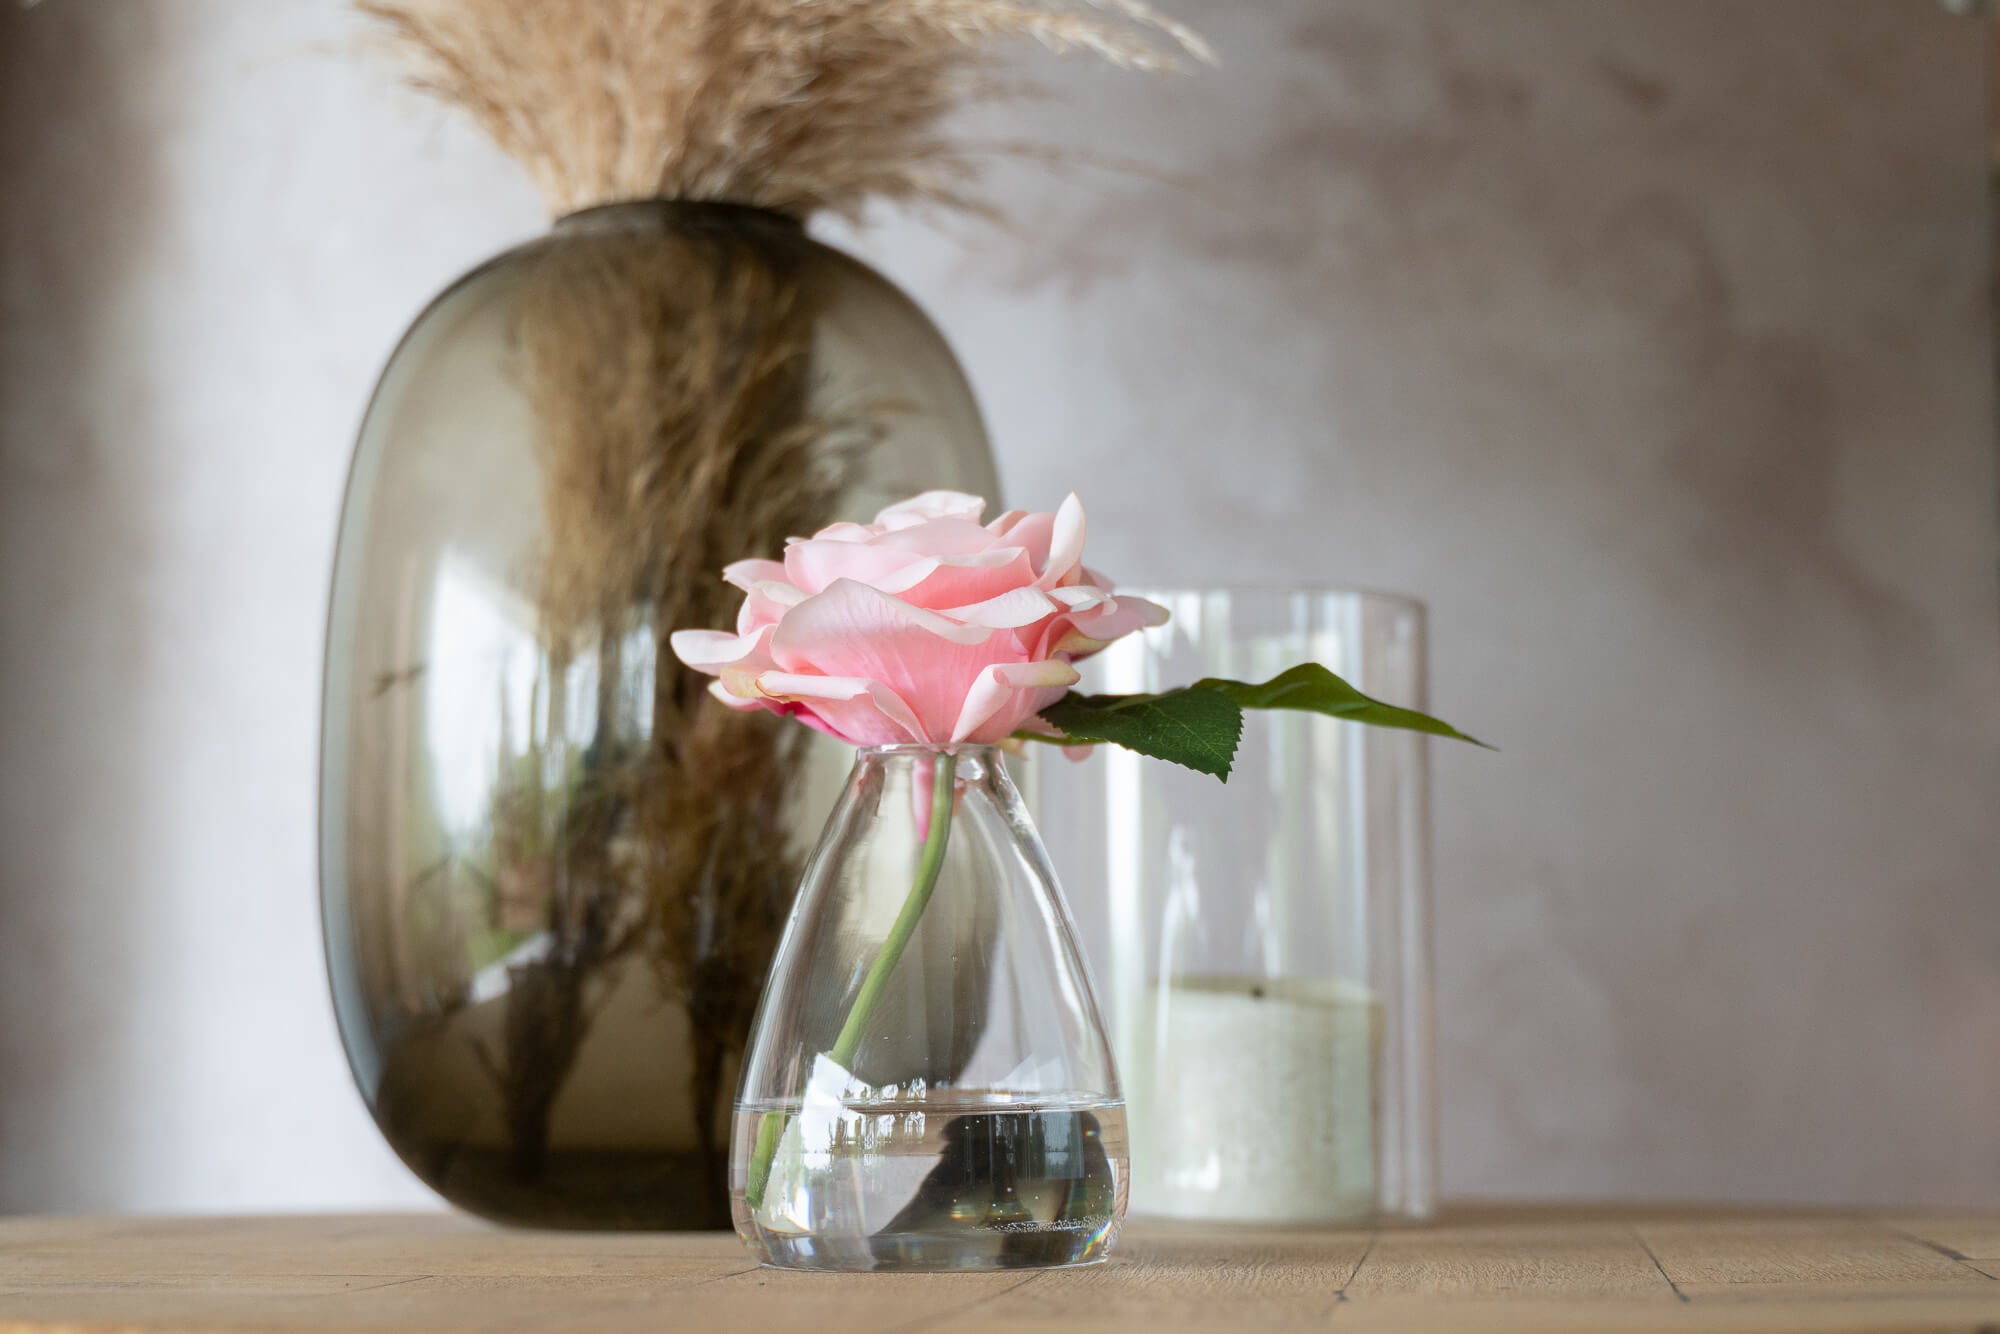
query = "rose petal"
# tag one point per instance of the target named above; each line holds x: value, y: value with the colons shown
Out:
x: 931, y: 505
x: 939, y: 537
x: 962, y: 581
x: 1006, y: 523
x: 852, y: 630
x: 1008, y: 694
x: 737, y: 702
x: 746, y: 574
x: 812, y: 566
x: 840, y: 532
x: 1032, y: 534
x: 1065, y: 542
x: 923, y: 626
x: 1080, y: 634
x: 739, y: 682
x: 1009, y: 611
x: 1080, y: 597
x: 766, y: 604
x: 1120, y: 616
x: 866, y: 713
x: 710, y: 651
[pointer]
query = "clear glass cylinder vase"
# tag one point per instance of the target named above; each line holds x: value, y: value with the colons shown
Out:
x: 1266, y: 943
x: 929, y: 1086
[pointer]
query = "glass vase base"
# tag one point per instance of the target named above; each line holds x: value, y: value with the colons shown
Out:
x: 940, y: 1253
x: 967, y: 1184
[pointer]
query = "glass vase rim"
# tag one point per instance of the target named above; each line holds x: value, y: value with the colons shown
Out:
x: 929, y: 750
x: 612, y: 210
x: 1253, y: 591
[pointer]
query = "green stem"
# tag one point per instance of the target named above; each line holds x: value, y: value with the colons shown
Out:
x: 928, y: 866
x: 929, y: 863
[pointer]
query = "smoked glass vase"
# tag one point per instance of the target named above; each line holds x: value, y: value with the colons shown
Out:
x: 554, y: 870
x: 929, y: 1086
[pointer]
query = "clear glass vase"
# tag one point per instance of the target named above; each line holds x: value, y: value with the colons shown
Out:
x: 929, y: 1086
x: 1266, y: 944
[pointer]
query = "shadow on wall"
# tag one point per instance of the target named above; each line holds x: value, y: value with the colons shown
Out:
x: 1403, y: 210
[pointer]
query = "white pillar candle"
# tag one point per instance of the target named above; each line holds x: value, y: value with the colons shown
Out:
x: 1256, y: 1100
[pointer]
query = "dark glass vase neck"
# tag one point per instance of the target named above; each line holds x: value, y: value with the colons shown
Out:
x: 638, y: 214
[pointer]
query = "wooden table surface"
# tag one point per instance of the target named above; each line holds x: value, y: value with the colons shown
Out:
x: 1500, y: 1270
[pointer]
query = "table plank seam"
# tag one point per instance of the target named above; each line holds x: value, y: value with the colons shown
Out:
x: 1749, y: 1297
x: 944, y: 1317
x: 377, y: 1287
x: 1652, y: 1255
x: 1340, y: 1297
x: 1946, y: 1251
x: 721, y: 1278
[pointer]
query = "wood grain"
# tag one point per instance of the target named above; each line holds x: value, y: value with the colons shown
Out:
x: 1540, y: 1270
x: 1511, y: 1260
x: 1962, y: 1236
x: 1807, y: 1258
x: 1183, y: 1281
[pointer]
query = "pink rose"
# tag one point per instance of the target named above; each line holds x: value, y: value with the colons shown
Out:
x: 923, y: 627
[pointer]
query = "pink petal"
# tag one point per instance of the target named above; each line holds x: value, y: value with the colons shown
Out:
x: 1032, y: 534
x: 866, y: 713
x: 815, y: 564
x: 960, y: 581
x: 736, y: 702
x: 852, y: 630
x: 939, y: 537
x: 1116, y: 617
x: 1007, y: 695
x: 766, y: 604
x: 840, y: 532
x: 923, y: 626
x: 1065, y: 542
x: 1077, y: 635
x: 1011, y: 610
x: 710, y: 651
x: 1080, y: 597
x: 735, y: 659
x: 931, y: 505
x: 1006, y: 523
x: 746, y: 573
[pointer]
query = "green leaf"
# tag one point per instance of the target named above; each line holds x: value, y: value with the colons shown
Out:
x: 1195, y: 727
x: 1200, y: 725
x: 1311, y: 688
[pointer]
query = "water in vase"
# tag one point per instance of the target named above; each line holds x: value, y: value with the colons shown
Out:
x: 954, y: 1181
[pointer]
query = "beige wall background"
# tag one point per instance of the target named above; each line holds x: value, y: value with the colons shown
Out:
x: 1648, y: 342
